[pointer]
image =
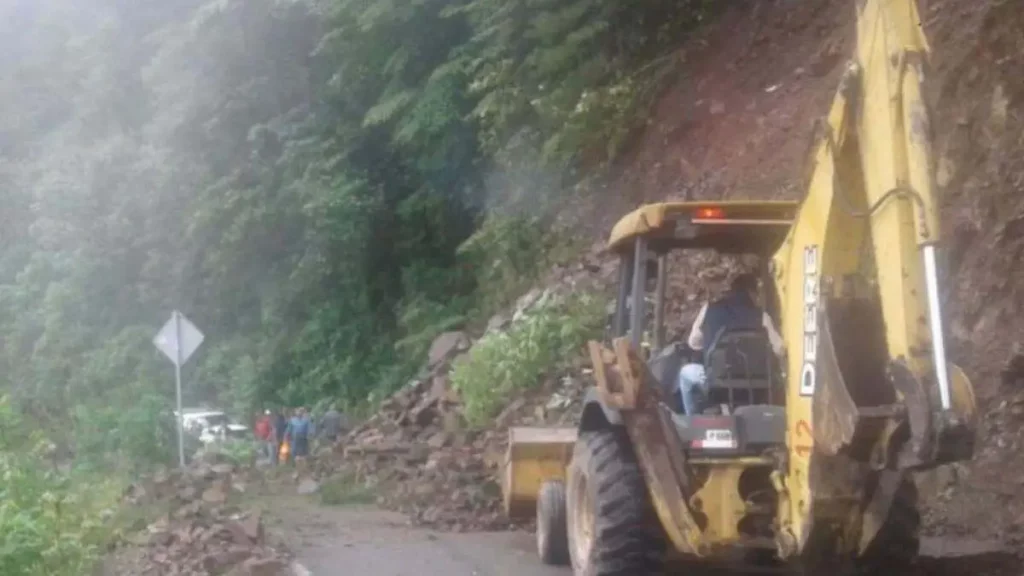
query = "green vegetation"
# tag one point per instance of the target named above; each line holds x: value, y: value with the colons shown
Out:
x: 503, y: 363
x: 322, y: 186
x: 309, y: 182
x: 50, y: 523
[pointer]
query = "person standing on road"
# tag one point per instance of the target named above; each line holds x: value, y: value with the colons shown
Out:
x: 298, y: 433
x: 332, y: 424
x: 280, y: 426
x: 264, y: 430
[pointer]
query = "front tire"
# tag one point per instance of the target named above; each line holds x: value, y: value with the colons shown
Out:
x: 613, y: 530
x: 552, y: 534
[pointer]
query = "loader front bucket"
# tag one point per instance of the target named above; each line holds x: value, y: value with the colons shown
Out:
x: 534, y: 456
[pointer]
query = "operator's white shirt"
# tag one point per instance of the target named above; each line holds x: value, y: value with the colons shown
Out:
x: 696, y: 339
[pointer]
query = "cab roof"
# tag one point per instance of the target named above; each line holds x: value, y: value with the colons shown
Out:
x: 731, y: 226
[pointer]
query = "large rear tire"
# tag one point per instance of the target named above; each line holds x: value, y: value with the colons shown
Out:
x: 552, y: 534
x: 613, y: 530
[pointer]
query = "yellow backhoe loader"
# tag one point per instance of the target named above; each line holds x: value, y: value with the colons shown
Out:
x: 805, y: 459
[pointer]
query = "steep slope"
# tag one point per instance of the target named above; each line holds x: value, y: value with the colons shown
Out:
x: 738, y: 124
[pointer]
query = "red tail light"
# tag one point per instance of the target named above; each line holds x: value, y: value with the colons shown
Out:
x: 710, y: 213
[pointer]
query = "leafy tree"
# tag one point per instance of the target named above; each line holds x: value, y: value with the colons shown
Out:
x: 307, y: 180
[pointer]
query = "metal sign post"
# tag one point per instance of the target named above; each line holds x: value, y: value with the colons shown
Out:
x: 178, y: 339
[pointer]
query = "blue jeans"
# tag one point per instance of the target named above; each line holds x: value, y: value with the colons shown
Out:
x: 693, y: 387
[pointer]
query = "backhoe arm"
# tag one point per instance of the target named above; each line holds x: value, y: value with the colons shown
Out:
x: 870, y: 394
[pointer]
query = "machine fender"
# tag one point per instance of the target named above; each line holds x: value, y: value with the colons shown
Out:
x: 596, y: 414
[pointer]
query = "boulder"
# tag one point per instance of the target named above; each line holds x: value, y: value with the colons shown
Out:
x: 253, y: 526
x: 215, y: 494
x: 445, y: 346
x: 308, y: 486
x: 264, y: 567
x: 221, y: 562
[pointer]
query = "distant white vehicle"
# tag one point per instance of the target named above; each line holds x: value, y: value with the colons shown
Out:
x: 211, y: 426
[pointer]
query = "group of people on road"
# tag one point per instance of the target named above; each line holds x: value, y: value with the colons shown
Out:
x: 275, y: 429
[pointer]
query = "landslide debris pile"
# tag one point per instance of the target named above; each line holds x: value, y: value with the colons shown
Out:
x: 202, y: 532
x: 981, y: 499
x: 416, y: 450
x: 428, y: 464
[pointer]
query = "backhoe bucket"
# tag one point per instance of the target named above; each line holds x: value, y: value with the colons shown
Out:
x: 932, y: 436
x: 957, y: 427
x: 535, y: 455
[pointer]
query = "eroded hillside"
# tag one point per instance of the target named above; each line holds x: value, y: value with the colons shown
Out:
x: 738, y: 124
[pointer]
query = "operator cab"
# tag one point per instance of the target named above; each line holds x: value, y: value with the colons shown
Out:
x: 744, y: 412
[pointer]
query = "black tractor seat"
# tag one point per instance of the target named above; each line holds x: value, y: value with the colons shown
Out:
x: 740, y: 368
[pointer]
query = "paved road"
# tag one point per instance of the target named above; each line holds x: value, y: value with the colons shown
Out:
x: 362, y: 540
x: 378, y: 544
x: 341, y: 541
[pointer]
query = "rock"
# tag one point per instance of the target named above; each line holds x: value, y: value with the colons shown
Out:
x: 160, y: 538
x: 308, y: 486
x: 424, y: 415
x: 717, y: 107
x: 826, y: 59
x: 526, y: 302
x: 188, y: 493
x: 558, y: 402
x: 446, y: 345
x: 1000, y: 106
x: 496, y: 323
x: 135, y: 493
x: 439, y: 389
x: 197, y: 536
x: 201, y: 471
x: 1013, y: 371
x: 417, y: 455
x: 505, y: 417
x: 945, y: 172
x: 222, y: 469
x: 215, y: 495
x: 238, y: 534
x: 264, y: 567
x: 540, y: 413
x: 451, y: 422
x: 221, y: 562
x: 253, y: 526
x: 438, y: 440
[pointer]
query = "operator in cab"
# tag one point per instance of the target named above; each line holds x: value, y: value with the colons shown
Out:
x: 738, y: 309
